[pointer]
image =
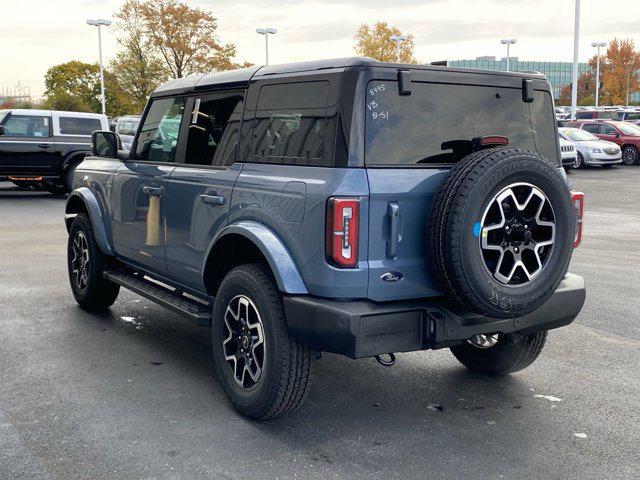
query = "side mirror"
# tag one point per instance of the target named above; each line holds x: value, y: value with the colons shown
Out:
x: 2, y: 130
x: 616, y: 134
x: 104, y: 144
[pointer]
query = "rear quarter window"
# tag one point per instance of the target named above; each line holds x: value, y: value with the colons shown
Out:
x: 290, y: 123
x: 437, y: 122
x: 79, y: 126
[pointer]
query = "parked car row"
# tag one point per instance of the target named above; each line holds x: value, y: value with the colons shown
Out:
x: 625, y: 135
x: 627, y: 114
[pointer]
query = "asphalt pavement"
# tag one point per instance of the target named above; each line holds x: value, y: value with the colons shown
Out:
x: 132, y: 394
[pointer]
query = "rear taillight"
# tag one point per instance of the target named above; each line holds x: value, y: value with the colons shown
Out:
x: 578, y: 204
x: 342, y: 231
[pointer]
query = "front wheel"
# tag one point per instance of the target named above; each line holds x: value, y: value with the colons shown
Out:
x: 263, y: 369
x: 630, y: 155
x: 578, y: 162
x: 86, y: 263
x: 499, y: 354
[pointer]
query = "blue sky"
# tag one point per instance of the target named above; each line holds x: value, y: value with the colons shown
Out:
x: 35, y: 34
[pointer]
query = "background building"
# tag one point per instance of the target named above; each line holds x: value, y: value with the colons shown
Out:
x: 558, y: 73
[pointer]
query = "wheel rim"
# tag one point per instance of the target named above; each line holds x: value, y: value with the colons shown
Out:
x: 577, y: 163
x: 629, y: 156
x: 243, y: 344
x: 517, y: 234
x: 80, y: 261
x: 484, y: 341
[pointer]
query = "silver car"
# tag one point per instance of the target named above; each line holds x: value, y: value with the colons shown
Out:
x: 591, y: 150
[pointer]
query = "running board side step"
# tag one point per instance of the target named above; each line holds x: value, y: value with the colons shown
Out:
x: 197, y: 312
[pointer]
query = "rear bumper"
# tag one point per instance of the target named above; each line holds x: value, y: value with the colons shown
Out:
x: 361, y: 328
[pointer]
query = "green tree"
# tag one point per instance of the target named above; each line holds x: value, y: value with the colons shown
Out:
x: 375, y: 42
x: 75, y: 85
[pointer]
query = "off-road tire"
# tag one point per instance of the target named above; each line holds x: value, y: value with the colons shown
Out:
x: 99, y: 293
x: 453, y: 243
x: 286, y: 376
x: 512, y: 353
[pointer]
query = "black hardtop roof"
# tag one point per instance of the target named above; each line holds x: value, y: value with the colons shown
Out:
x: 242, y: 76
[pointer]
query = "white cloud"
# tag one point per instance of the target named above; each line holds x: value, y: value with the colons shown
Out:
x: 35, y: 34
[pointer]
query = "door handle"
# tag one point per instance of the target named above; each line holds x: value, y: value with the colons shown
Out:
x: 393, y: 211
x: 152, y: 191
x: 212, y: 199
x: 44, y: 145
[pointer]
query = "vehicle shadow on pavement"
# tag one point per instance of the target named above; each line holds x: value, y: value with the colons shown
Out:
x: 346, y: 395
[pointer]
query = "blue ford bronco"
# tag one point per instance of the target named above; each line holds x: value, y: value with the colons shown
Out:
x: 346, y: 206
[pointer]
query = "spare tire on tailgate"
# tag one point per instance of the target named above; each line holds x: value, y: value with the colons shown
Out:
x: 501, y: 231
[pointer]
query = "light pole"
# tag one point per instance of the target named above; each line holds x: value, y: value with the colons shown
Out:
x: 628, y: 79
x: 100, y: 22
x: 598, y: 45
x: 398, y: 39
x: 508, y: 42
x: 266, y: 32
x: 574, y: 73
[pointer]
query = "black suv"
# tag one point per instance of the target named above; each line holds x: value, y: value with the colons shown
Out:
x: 42, y: 147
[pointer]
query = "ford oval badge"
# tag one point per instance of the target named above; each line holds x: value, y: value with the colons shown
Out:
x: 391, y: 277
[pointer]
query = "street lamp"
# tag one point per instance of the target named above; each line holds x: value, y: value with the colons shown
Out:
x: 398, y: 39
x: 574, y: 72
x: 100, y: 22
x: 598, y: 45
x: 508, y: 42
x: 266, y: 32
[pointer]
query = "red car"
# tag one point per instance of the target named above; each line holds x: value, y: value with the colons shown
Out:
x: 625, y: 134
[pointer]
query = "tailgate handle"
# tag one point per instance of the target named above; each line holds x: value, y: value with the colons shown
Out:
x: 395, y: 237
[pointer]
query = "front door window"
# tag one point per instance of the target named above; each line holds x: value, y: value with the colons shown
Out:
x: 158, y: 137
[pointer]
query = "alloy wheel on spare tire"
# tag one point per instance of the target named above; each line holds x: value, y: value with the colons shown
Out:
x: 501, y: 232
x: 630, y: 155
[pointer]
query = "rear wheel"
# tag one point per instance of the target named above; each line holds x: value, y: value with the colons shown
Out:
x: 85, y: 264
x: 499, y: 354
x: 630, y: 155
x: 263, y: 369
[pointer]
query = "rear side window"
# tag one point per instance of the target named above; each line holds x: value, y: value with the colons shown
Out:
x: 79, y: 126
x: 290, y: 123
x: 591, y: 127
x: 127, y: 126
x: 437, y: 123
x: 27, y: 126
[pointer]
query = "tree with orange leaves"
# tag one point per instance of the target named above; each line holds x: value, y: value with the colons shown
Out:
x: 375, y: 42
x: 183, y: 38
x: 621, y: 64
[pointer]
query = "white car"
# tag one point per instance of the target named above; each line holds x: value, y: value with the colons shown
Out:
x: 567, y: 152
x: 590, y: 149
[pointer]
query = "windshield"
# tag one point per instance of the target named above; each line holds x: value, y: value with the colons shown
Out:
x: 579, y: 135
x: 629, y: 129
x: 437, y: 123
